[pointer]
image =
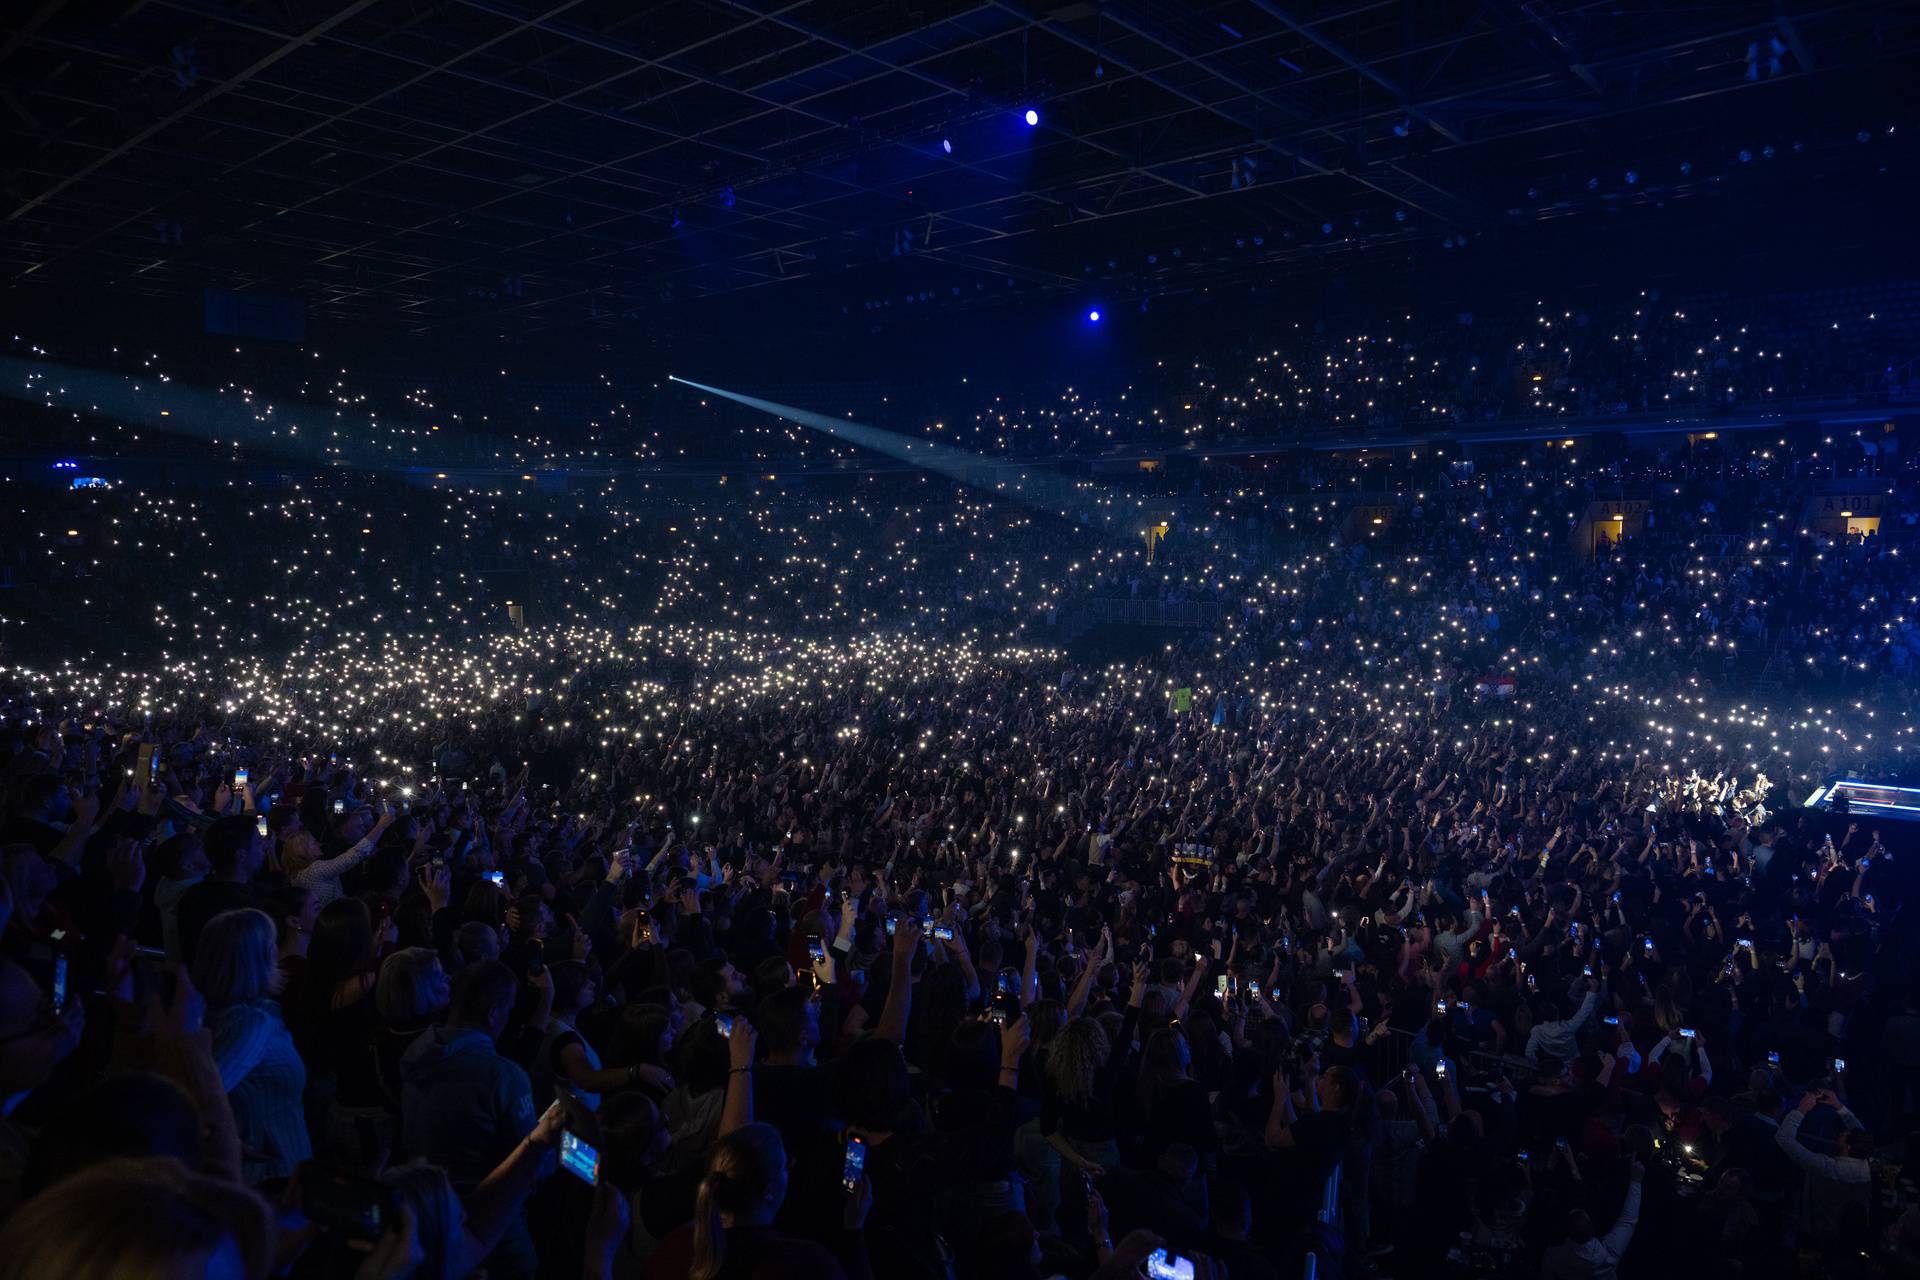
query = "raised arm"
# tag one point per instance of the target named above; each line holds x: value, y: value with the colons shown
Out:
x: 737, y: 1111
x: 893, y: 1015
x: 1077, y: 998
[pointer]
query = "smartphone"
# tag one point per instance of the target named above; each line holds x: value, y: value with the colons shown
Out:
x: 893, y: 925
x: 1008, y: 982
x: 1688, y: 1033
x: 1773, y: 1057
x: 1440, y: 1068
x: 1611, y: 1019
x: 148, y: 764
x: 536, y: 958
x: 856, y: 1162
x: 1220, y: 986
x: 1745, y: 944
x: 353, y: 1205
x: 239, y: 779
x: 260, y: 825
x: 153, y: 973
x: 1439, y: 1006
x: 1162, y: 1265
x: 1253, y: 988
x: 997, y: 1014
x: 816, y: 948
x: 339, y: 806
x: 579, y: 1158
x: 1839, y: 1066
x: 1647, y: 945
x: 59, y: 984
x: 498, y: 877
x: 942, y: 933
x: 724, y: 1021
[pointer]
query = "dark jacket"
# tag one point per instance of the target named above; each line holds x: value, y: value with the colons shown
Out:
x: 462, y: 1105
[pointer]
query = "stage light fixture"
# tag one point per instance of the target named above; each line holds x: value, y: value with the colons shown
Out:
x: 1032, y: 117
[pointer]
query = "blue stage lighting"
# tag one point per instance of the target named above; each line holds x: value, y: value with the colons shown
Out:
x: 1094, y: 315
x: 1033, y: 117
x: 946, y: 145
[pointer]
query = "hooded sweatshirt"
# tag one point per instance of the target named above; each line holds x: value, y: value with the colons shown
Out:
x: 462, y: 1105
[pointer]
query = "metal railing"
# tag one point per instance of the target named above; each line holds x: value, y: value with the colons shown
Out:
x: 1329, y: 1218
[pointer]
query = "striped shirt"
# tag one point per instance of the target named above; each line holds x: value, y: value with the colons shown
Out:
x: 265, y: 1081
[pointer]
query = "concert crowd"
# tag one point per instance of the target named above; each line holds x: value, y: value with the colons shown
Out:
x: 803, y: 887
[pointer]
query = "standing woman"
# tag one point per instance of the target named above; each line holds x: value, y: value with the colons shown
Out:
x: 731, y: 1236
x: 335, y: 1025
x: 410, y: 995
x: 566, y: 1058
x: 1173, y: 1106
x: 235, y: 966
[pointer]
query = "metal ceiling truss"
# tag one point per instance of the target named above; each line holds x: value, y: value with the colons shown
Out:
x: 437, y: 162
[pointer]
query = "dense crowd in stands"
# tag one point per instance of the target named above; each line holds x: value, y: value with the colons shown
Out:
x: 1643, y: 351
x: 797, y: 890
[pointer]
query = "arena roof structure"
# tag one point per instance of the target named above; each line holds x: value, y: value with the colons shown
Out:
x: 424, y: 163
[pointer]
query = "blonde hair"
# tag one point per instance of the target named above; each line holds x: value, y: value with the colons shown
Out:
x: 131, y: 1217
x: 437, y: 1216
x: 1078, y: 1053
x: 740, y: 1172
x: 297, y: 854
x: 237, y: 959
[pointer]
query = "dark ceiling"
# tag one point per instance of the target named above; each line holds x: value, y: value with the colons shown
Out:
x: 429, y: 164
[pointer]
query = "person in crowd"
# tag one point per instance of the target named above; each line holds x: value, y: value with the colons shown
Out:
x: 730, y: 1237
x: 139, y: 1216
x: 235, y: 852
x: 1439, y: 892
x: 236, y: 968
x: 1836, y: 1186
x: 1583, y: 1255
x: 465, y: 1107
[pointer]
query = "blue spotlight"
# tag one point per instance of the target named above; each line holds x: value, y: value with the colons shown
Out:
x: 1094, y: 315
x: 1032, y: 117
x: 946, y: 145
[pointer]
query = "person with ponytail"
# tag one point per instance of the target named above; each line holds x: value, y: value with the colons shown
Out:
x: 731, y: 1236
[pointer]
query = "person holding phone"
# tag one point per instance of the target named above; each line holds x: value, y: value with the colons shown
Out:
x: 1584, y: 1255
x: 1838, y: 1185
x: 322, y: 876
x: 1557, y: 1038
x: 465, y: 1106
x: 732, y: 1236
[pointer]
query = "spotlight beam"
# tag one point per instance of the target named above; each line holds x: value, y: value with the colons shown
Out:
x: 1035, y: 487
